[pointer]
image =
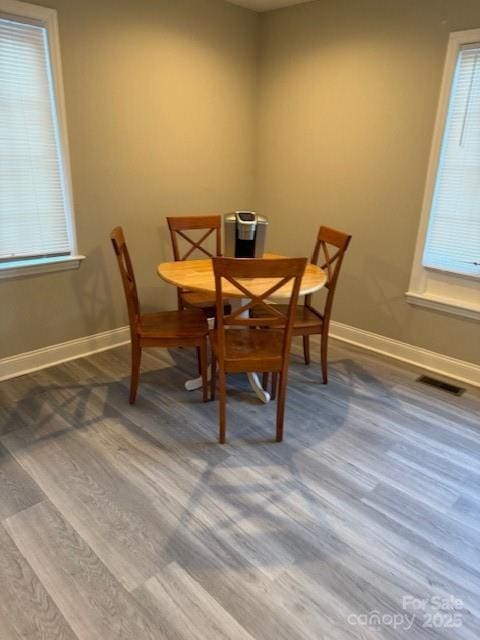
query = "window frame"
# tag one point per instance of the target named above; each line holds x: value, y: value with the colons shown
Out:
x: 442, y: 290
x: 47, y: 18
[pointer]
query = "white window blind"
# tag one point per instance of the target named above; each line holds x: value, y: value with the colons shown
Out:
x: 453, y: 238
x: 34, y: 218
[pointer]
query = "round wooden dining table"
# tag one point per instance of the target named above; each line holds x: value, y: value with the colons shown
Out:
x: 197, y: 275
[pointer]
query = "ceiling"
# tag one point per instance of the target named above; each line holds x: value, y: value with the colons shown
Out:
x: 265, y: 5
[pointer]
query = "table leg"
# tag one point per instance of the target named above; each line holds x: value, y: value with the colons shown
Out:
x: 196, y: 383
x: 256, y: 385
x: 253, y: 378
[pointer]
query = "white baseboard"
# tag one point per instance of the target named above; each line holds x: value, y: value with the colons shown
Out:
x: 56, y: 354
x: 23, y: 363
x: 452, y: 368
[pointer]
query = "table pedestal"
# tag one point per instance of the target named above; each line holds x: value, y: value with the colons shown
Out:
x: 253, y: 378
x: 196, y: 383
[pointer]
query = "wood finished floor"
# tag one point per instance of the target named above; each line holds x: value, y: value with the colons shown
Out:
x: 120, y: 522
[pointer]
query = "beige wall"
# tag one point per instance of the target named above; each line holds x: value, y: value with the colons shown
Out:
x: 169, y: 112
x: 349, y: 92
x: 160, y: 100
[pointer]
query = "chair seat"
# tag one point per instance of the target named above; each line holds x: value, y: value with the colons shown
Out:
x: 189, y: 323
x: 304, y: 317
x: 251, y: 349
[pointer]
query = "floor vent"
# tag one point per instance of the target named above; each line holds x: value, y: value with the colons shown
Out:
x: 444, y: 386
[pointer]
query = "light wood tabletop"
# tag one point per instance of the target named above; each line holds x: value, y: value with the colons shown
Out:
x: 197, y: 275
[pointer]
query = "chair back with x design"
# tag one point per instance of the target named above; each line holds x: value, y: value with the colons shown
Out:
x: 128, y: 277
x: 329, y: 252
x: 178, y: 226
x: 258, y: 280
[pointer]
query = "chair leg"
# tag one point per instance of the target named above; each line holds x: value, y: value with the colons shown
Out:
x: 282, y: 390
x: 222, y: 407
x: 273, y: 395
x: 306, y: 349
x: 136, y: 358
x: 213, y: 380
x: 180, y: 304
x: 199, y: 361
x: 202, y: 351
x: 265, y: 380
x: 323, y: 357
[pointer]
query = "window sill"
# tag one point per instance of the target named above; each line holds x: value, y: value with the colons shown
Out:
x: 448, y: 305
x: 20, y: 269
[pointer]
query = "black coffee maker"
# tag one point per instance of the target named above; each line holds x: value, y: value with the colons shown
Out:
x: 245, y: 233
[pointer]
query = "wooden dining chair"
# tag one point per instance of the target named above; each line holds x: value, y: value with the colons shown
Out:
x: 261, y: 344
x: 166, y: 329
x: 329, y: 251
x: 179, y: 227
